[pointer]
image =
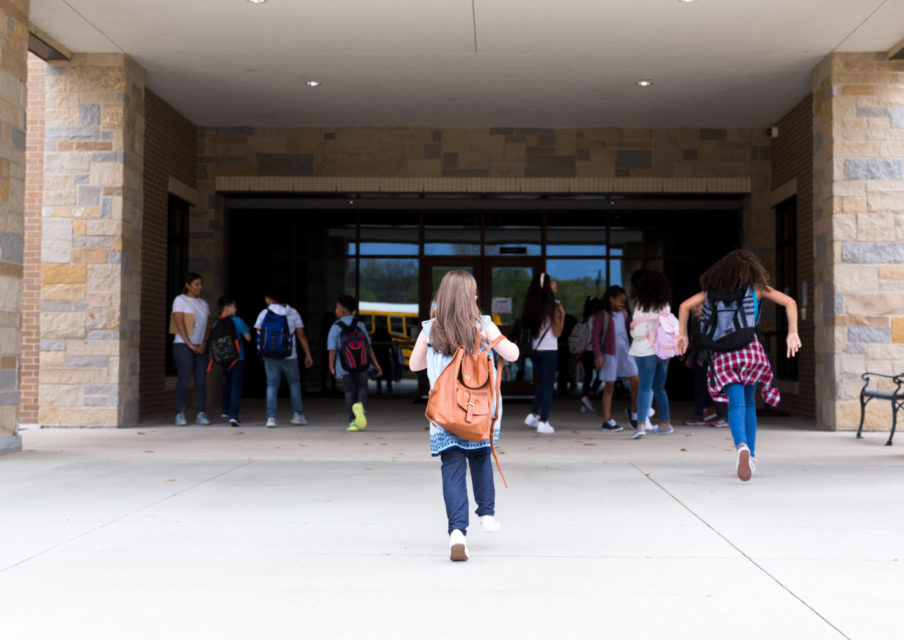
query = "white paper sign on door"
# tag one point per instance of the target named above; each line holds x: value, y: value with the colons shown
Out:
x: 502, y: 305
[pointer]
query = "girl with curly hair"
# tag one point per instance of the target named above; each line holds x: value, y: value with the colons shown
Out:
x: 733, y: 375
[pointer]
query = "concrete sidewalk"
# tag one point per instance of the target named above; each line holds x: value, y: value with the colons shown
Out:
x: 310, y: 531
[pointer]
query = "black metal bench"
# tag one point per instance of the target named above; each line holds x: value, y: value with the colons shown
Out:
x: 896, y: 398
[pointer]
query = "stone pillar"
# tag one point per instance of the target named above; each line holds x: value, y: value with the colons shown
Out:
x: 858, y: 229
x: 90, y: 297
x: 13, y: 72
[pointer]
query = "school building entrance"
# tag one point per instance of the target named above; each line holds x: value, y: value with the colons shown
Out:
x: 391, y: 253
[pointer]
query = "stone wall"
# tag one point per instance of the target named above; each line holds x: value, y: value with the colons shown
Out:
x: 792, y: 160
x: 517, y: 153
x: 92, y: 216
x: 858, y: 209
x: 13, y: 73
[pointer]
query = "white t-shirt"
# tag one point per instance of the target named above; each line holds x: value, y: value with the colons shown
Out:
x: 199, y: 308
x: 547, y: 342
x: 643, y: 333
x: 293, y: 318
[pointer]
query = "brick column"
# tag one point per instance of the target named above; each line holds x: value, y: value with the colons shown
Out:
x: 858, y: 228
x: 13, y: 71
x: 90, y: 249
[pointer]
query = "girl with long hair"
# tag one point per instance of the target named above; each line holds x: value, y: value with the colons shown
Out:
x: 456, y: 321
x: 191, y: 323
x: 651, y: 293
x: 732, y: 376
x: 611, y: 346
x: 544, y: 317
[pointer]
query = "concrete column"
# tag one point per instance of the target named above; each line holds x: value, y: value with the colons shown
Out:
x: 90, y: 246
x: 13, y: 72
x: 858, y: 228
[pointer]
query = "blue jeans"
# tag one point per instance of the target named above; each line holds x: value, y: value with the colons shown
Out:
x: 455, y: 489
x: 546, y: 363
x: 232, y: 388
x: 652, y: 372
x: 275, y: 370
x: 742, y: 414
x: 190, y: 365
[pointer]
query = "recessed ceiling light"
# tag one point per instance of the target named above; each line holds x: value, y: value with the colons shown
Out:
x: 313, y: 83
x: 263, y: 1
x: 687, y: 1
x: 644, y: 83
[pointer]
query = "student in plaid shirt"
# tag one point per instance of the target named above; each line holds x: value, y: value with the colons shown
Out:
x: 733, y: 375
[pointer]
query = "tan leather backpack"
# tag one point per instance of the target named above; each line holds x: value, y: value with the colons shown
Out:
x: 464, y: 401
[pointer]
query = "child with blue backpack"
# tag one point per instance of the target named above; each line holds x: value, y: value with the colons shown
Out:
x: 277, y: 327
x: 351, y: 357
x: 733, y: 291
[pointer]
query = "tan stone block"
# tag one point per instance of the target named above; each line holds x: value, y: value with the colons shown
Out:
x: 74, y: 376
x: 60, y: 395
x: 891, y: 272
x: 90, y: 417
x: 62, y: 324
x: 63, y: 291
x: 873, y: 304
x: 849, y: 188
x: 52, y: 359
x: 63, y: 274
x: 856, y: 277
x: 93, y: 255
x: 875, y: 227
x: 104, y: 227
x: 48, y: 416
x: 858, y: 90
x: 897, y: 330
x: 104, y: 277
x: 886, y: 200
x: 888, y: 352
x: 844, y: 227
x: 106, y: 173
x: 104, y: 319
x: 851, y: 205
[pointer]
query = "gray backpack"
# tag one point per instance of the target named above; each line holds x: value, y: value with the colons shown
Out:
x: 728, y: 321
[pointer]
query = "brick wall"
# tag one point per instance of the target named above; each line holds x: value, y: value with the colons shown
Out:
x: 792, y: 159
x: 169, y: 151
x: 31, y: 276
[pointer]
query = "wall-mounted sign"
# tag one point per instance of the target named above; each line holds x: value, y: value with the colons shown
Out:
x: 502, y: 305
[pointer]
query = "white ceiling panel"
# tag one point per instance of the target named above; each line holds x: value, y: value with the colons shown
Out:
x: 537, y: 62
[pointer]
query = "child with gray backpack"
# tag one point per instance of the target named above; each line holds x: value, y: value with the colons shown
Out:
x: 733, y: 290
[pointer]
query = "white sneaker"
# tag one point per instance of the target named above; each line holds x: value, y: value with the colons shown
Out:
x: 545, y: 427
x: 202, y: 418
x: 586, y: 405
x: 638, y: 433
x: 532, y: 420
x: 298, y: 418
x: 744, y: 467
x: 458, y: 547
x: 272, y: 423
x: 489, y: 523
x: 180, y: 419
x: 752, y: 466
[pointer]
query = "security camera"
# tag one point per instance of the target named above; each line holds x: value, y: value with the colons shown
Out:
x: 772, y: 132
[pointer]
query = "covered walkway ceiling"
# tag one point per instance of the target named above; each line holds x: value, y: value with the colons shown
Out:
x: 549, y: 63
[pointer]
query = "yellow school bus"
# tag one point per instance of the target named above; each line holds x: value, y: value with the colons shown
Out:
x: 400, y: 320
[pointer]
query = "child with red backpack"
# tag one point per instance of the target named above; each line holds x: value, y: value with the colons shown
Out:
x: 351, y: 356
x: 457, y: 322
x: 733, y: 290
x: 651, y: 349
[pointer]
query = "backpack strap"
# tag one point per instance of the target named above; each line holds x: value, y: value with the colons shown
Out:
x: 498, y: 400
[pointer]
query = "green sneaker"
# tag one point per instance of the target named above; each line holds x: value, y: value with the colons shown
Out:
x: 352, y: 426
x: 360, y: 418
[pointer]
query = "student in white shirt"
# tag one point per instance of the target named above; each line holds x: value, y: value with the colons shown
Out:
x: 276, y: 368
x: 191, y: 317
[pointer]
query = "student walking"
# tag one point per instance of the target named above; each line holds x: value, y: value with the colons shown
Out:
x: 233, y: 372
x: 651, y: 293
x: 611, y: 347
x: 591, y: 382
x: 544, y: 318
x: 351, y: 357
x: 191, y: 326
x: 733, y: 291
x: 697, y: 359
x: 457, y: 321
x: 277, y: 328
